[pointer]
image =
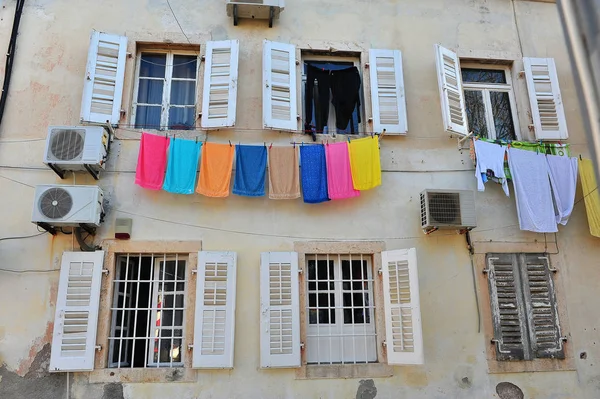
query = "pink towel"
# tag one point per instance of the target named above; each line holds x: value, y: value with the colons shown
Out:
x: 152, y: 161
x: 339, y: 175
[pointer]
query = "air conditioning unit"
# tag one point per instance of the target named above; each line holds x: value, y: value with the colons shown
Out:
x: 76, y: 148
x: 60, y: 205
x: 255, y: 9
x: 448, y: 209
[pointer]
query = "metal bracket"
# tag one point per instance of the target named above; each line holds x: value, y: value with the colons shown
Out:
x: 564, y: 339
x: 105, y: 272
x: 485, y: 271
x: 194, y: 271
x: 300, y: 271
x: 461, y: 140
x: 48, y: 228
x: 190, y: 347
x: 494, y: 341
x: 553, y: 270
x: 384, y: 344
x: 301, y: 345
x: 380, y: 271
x: 98, y: 348
x: 92, y: 172
x: 57, y: 170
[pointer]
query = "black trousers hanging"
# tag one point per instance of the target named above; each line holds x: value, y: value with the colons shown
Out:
x: 317, y: 94
x: 345, y: 91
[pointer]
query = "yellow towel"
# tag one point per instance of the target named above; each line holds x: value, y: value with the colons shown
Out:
x: 365, y: 163
x: 215, y: 170
x: 590, y: 193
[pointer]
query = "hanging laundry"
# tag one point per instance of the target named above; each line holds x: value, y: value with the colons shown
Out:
x: 215, y: 170
x: 345, y: 93
x: 532, y: 191
x: 314, y: 174
x: 589, y: 186
x: 365, y: 163
x: 182, y: 166
x: 339, y: 175
x: 490, y: 157
x: 316, y: 96
x: 284, y: 174
x: 250, y: 169
x: 563, y: 179
x: 152, y: 161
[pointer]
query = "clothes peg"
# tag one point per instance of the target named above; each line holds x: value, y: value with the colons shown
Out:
x: 230, y: 143
x: 580, y: 158
x: 265, y: 143
x: 271, y: 146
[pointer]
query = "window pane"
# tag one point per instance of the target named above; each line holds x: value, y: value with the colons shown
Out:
x: 476, y: 112
x: 483, y: 75
x: 153, y: 65
x: 181, y: 118
x: 150, y: 91
x: 147, y: 117
x: 183, y: 92
x: 503, y: 120
x: 184, y: 66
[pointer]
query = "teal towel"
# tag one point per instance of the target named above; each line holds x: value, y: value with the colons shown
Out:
x: 182, y: 166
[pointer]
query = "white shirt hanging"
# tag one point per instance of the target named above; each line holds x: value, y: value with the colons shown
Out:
x: 563, y: 178
x: 490, y: 157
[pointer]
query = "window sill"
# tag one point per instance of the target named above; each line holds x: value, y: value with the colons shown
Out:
x: 372, y: 370
x: 529, y: 366
x: 143, y: 375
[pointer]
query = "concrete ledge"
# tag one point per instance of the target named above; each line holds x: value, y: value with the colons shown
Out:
x: 143, y: 375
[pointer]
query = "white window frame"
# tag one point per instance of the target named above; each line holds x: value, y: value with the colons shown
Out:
x: 165, y: 106
x: 485, y: 89
x: 307, y: 57
x: 335, y: 334
x: 156, y: 262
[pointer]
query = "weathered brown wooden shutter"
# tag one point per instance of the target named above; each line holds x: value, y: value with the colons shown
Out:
x: 540, y: 303
x: 508, y: 311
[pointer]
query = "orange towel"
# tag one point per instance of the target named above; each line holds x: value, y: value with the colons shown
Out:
x: 215, y: 170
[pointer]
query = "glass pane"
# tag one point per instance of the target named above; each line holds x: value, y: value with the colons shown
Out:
x: 150, y: 91
x: 181, y: 270
x: 166, y: 318
x: 167, y: 302
x: 311, y: 270
x: 169, y: 270
x: 153, y: 65
x: 476, y: 112
x: 147, y: 117
x: 183, y: 92
x: 181, y: 118
x: 179, y: 302
x: 503, y: 120
x: 178, y: 318
x: 483, y: 75
x: 176, y: 350
x: 184, y: 66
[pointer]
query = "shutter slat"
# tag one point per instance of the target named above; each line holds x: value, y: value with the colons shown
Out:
x: 387, y: 92
x: 547, y: 110
x: 279, y: 310
x: 279, y: 86
x: 105, y: 74
x: 76, y: 320
x: 451, y: 92
x: 214, y: 325
x: 510, y: 329
x: 219, y: 98
x: 544, y: 327
x: 402, y: 309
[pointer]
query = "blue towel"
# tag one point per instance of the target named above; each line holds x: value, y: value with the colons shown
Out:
x: 314, y: 173
x: 250, y: 169
x: 182, y: 166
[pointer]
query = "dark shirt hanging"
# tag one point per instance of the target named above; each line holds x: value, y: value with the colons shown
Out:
x: 319, y: 95
x: 345, y: 90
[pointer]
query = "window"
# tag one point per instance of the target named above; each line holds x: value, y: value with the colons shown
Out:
x: 489, y: 101
x: 331, y: 95
x: 524, y: 307
x: 165, y: 90
x: 340, y: 309
x: 147, y: 312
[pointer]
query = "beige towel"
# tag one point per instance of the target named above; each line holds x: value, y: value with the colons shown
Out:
x: 284, y: 174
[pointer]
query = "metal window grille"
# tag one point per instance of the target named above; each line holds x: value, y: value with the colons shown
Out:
x: 340, y: 309
x: 147, y: 328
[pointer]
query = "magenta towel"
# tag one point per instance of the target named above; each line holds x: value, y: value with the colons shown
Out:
x: 339, y: 175
x: 152, y: 161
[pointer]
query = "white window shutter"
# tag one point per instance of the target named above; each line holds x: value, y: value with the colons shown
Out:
x: 279, y: 86
x: 214, y: 325
x: 387, y: 92
x: 104, y: 76
x: 404, y: 336
x: 219, y: 98
x: 279, y: 310
x: 547, y: 108
x: 76, y: 320
x: 451, y: 91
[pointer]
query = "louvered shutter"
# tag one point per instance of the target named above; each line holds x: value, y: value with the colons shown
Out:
x: 387, y: 92
x: 104, y: 76
x: 403, y: 330
x: 214, y: 323
x: 547, y: 109
x: 279, y: 310
x: 220, y: 84
x: 76, y: 319
x: 451, y: 91
x: 540, y: 302
x: 279, y: 86
x: 509, y: 319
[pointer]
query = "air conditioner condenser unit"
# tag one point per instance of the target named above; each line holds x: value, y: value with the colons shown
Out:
x: 255, y: 9
x: 61, y: 205
x: 448, y: 209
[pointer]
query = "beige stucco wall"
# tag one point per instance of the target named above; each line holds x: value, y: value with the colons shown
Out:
x: 46, y: 90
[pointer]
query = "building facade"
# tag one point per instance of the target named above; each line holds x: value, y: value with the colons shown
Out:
x: 334, y: 300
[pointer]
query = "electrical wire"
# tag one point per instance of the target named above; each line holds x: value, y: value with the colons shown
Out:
x: 10, y: 56
x: 23, y: 237
x: 17, y: 181
x: 177, y: 20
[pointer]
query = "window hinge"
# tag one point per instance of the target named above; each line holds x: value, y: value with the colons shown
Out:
x: 98, y: 348
x: 485, y: 271
x: 301, y: 346
x: 194, y: 271
x: 105, y: 272
x: 564, y: 339
x: 521, y: 74
x: 190, y: 347
x: 367, y: 65
x: 380, y: 271
x: 553, y: 270
x: 494, y: 341
x: 300, y: 271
